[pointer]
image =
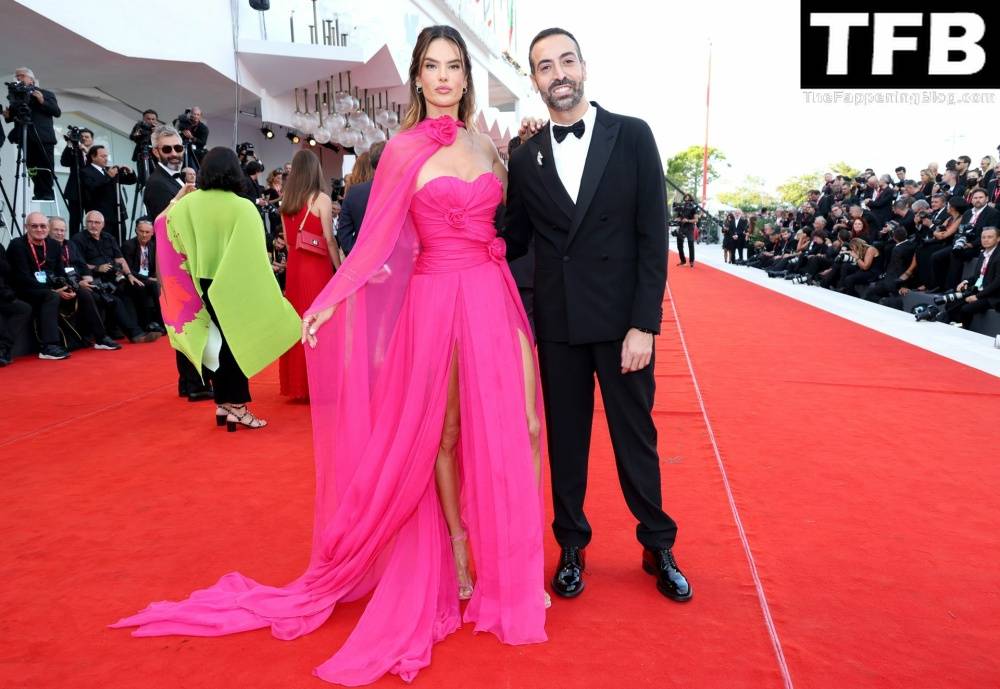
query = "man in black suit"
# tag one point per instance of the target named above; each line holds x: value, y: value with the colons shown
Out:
x: 589, y: 189
x: 880, y: 203
x: 101, y: 190
x: 736, y: 229
x: 162, y: 185
x: 75, y: 158
x: 140, y: 134
x: 985, y: 279
x: 139, y: 253
x: 41, y: 135
x: 195, y: 136
x: 949, y: 260
x: 352, y: 210
x: 14, y: 313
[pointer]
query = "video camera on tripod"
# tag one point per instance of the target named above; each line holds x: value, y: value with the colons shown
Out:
x: 18, y: 94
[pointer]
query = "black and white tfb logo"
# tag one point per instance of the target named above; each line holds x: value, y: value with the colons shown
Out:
x: 857, y: 45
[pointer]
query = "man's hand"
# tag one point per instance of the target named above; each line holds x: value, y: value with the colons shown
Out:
x: 38, y: 95
x: 112, y: 172
x: 903, y: 291
x: 103, y: 268
x: 962, y: 285
x: 529, y: 127
x: 64, y: 293
x: 87, y: 283
x: 971, y: 299
x: 637, y: 350
x: 186, y: 134
x: 134, y: 280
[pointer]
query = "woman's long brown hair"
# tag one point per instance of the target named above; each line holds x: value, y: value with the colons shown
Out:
x: 304, y: 181
x: 418, y: 106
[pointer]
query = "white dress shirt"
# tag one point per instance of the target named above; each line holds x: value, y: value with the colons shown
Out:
x: 571, y: 155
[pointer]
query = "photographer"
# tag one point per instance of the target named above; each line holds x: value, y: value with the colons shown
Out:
x: 983, y: 293
x: 34, y: 107
x: 14, y: 313
x: 272, y: 198
x: 104, y: 259
x: 950, y: 260
x: 74, y: 157
x: 279, y: 259
x: 140, y: 255
x: 687, y: 214
x: 819, y: 261
x: 194, y: 133
x: 141, y: 133
x: 900, y: 267
x: 880, y: 203
x: 101, y: 189
x: 81, y: 283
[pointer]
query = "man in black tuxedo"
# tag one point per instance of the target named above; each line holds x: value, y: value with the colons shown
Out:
x: 949, y: 261
x: 880, y: 203
x: 985, y: 280
x: 101, y: 190
x: 162, y: 185
x: 75, y: 158
x: 589, y: 189
x: 352, y: 210
x: 736, y: 229
x: 41, y: 136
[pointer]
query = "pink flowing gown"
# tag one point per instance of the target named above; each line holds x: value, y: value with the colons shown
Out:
x: 428, y: 281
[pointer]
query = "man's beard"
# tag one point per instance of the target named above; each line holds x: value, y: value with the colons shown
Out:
x: 172, y: 163
x: 563, y: 103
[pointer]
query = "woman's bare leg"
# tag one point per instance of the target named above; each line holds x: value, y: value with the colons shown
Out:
x: 446, y: 474
x: 531, y: 414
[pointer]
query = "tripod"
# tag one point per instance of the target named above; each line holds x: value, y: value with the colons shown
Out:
x: 144, y: 164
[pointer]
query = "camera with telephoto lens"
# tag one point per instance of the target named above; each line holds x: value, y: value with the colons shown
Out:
x: 72, y: 135
x: 104, y: 291
x: 69, y: 280
x: 184, y: 121
x: 17, y: 98
x: 954, y: 297
x: 926, y: 312
x: 846, y: 256
x: 965, y: 237
x: 246, y: 149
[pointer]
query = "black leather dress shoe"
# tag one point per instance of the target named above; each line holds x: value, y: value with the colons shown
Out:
x: 670, y: 581
x: 568, y: 581
x: 200, y: 394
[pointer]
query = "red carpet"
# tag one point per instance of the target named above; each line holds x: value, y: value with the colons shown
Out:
x: 873, y: 536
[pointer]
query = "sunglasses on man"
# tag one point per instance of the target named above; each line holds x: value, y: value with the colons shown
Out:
x: 176, y: 148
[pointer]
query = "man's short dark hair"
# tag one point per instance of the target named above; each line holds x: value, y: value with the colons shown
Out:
x: 899, y: 233
x: 980, y: 190
x: 150, y: 112
x: 965, y: 159
x: 221, y: 169
x: 819, y: 234
x: 143, y: 219
x: 555, y: 31
x: 990, y: 227
x: 84, y: 130
x: 900, y: 169
x: 375, y: 153
x: 93, y: 151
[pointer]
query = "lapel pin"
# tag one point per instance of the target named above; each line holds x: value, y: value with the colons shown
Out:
x: 541, y: 161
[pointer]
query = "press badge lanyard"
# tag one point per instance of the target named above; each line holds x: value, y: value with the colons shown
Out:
x: 40, y: 276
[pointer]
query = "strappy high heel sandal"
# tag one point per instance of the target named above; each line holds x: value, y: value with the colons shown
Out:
x: 221, y: 414
x: 462, y: 565
x: 239, y: 415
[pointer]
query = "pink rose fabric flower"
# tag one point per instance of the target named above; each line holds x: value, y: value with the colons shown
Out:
x: 455, y: 217
x: 498, y: 250
x: 443, y: 129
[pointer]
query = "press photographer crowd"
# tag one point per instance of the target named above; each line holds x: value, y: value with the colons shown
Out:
x: 884, y: 237
x: 86, y: 280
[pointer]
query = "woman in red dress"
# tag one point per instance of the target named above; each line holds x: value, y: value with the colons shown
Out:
x: 306, y: 209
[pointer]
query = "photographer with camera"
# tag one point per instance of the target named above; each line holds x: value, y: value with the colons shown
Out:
x: 140, y: 255
x: 142, y: 153
x: 74, y: 157
x: 101, y: 189
x: 32, y: 108
x: 964, y: 246
x: 194, y: 134
x: 983, y: 292
x: 900, y: 267
x: 688, y: 215
x: 81, y: 282
x: 101, y: 253
x: 279, y: 259
x: 272, y: 198
x: 14, y: 313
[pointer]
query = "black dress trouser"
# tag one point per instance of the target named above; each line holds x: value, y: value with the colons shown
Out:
x: 14, y: 314
x: 230, y: 384
x: 685, y: 232
x: 567, y: 375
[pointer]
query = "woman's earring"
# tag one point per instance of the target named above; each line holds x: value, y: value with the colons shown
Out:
x: 465, y: 90
x: 420, y: 89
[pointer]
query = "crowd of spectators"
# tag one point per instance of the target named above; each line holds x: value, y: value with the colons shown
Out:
x: 881, y: 237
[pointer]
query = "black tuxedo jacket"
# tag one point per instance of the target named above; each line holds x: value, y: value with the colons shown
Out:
x: 160, y: 189
x: 133, y: 255
x: 100, y: 192
x: 991, y: 283
x: 41, y: 116
x: 737, y: 227
x: 988, y: 217
x: 601, y: 263
x: 881, y: 207
x: 66, y: 160
x: 352, y: 214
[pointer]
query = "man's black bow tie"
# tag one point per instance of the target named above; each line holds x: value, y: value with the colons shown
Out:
x: 178, y: 175
x: 560, y: 132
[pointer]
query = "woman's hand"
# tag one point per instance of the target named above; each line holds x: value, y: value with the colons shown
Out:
x: 312, y: 324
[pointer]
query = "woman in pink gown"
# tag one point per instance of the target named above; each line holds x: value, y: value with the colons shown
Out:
x: 424, y: 396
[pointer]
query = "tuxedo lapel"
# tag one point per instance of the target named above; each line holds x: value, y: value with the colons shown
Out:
x: 602, y: 142
x: 543, y: 161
